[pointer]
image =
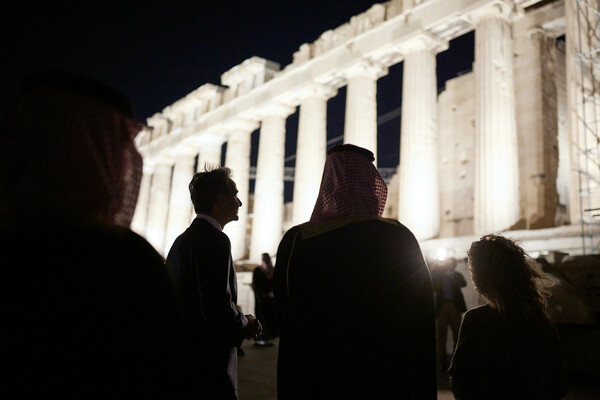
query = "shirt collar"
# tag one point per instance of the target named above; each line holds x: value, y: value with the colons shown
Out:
x: 211, y: 220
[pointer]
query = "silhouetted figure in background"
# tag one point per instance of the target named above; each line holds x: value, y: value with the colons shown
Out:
x: 508, y: 348
x: 449, y: 305
x: 90, y: 309
x: 264, y: 303
x: 354, y: 295
x: 201, y: 261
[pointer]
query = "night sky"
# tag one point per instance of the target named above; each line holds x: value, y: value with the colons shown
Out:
x: 157, y: 52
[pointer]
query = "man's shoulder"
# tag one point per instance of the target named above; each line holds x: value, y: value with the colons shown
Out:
x: 203, y: 228
x: 200, y: 234
x: 484, y: 311
x: 311, y: 229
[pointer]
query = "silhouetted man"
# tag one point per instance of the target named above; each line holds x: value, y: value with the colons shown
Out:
x: 449, y: 305
x: 90, y: 310
x: 354, y: 295
x: 202, y: 265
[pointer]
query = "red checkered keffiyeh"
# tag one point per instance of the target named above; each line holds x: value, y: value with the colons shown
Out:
x: 351, y: 185
x: 70, y: 154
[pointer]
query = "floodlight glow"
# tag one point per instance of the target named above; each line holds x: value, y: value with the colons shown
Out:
x: 441, y: 254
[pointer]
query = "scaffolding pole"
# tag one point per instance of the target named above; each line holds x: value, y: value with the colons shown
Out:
x: 588, y: 114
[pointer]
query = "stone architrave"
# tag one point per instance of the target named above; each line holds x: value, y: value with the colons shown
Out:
x: 180, y: 204
x: 237, y: 158
x: 418, y: 196
x: 496, y: 152
x: 159, y: 201
x: 311, y: 149
x: 140, y: 217
x: 267, y: 218
x: 360, y: 126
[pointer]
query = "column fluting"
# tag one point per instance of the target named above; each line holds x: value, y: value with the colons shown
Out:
x: 237, y: 158
x: 268, y: 191
x: 310, y: 150
x: 360, y: 127
x: 418, y: 196
x: 159, y: 200
x: 180, y: 204
x: 140, y: 217
x: 496, y: 157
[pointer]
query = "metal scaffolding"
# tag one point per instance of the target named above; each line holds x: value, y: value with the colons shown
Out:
x: 588, y: 117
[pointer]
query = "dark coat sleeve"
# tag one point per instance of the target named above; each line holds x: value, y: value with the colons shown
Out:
x: 216, y: 284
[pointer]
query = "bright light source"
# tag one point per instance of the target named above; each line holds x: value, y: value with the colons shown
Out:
x: 441, y: 254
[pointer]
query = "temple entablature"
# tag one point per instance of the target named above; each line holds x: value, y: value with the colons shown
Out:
x: 250, y: 74
x: 375, y: 38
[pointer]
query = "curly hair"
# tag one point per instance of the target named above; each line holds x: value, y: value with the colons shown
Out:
x: 504, y: 274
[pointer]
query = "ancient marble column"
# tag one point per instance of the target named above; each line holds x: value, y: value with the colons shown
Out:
x: 360, y: 126
x: 268, y: 190
x: 237, y: 158
x: 140, y: 217
x: 159, y: 203
x: 209, y: 150
x: 418, y: 196
x: 180, y: 205
x: 310, y: 150
x: 496, y: 155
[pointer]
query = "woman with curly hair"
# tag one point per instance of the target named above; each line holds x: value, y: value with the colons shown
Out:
x: 507, y: 348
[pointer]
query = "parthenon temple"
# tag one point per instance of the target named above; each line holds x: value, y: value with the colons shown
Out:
x: 510, y: 146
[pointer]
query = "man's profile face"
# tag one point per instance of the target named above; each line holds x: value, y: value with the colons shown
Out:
x: 232, y: 203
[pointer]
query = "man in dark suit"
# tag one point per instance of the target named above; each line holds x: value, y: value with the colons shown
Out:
x: 201, y: 262
x: 449, y: 304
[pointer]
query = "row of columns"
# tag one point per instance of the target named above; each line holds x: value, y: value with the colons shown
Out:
x: 496, y: 185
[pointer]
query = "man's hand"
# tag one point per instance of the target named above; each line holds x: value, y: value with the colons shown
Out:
x: 253, y: 329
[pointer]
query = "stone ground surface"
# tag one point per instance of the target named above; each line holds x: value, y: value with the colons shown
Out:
x: 257, y: 373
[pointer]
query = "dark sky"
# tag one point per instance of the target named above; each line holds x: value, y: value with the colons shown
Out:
x: 157, y: 52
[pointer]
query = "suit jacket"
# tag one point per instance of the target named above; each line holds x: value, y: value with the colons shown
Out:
x: 201, y: 262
